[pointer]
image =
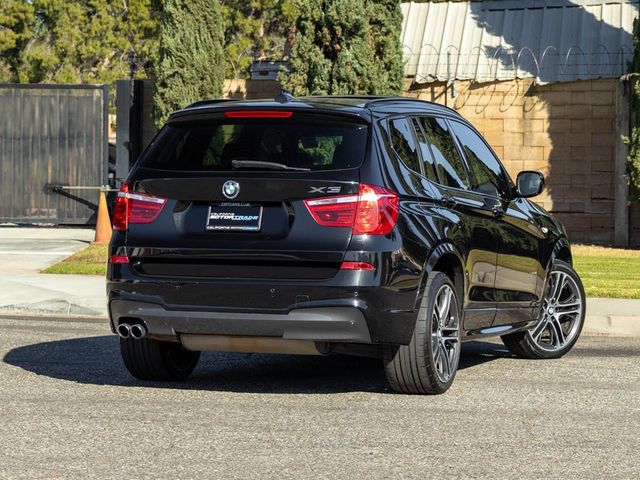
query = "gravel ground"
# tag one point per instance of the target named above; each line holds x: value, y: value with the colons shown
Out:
x: 68, y: 409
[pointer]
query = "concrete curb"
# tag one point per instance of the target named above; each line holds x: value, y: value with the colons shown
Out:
x: 611, y: 325
x: 43, y: 317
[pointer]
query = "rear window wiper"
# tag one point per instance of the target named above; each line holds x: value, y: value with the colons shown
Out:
x: 238, y: 164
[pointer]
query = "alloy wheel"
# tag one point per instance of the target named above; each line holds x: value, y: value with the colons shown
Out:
x: 445, y: 337
x: 561, y: 313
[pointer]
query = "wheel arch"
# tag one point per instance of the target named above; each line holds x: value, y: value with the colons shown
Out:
x: 444, y: 258
x: 561, y: 251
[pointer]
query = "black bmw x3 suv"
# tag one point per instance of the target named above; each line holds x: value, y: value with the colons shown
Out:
x: 358, y: 225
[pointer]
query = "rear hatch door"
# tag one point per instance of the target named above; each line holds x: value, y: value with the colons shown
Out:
x: 236, y: 188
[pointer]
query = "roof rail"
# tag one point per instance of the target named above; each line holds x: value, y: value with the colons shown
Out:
x: 213, y: 101
x: 408, y: 99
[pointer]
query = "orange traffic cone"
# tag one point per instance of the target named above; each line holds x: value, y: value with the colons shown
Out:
x: 103, y: 225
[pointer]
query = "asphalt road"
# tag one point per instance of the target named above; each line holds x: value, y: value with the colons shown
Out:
x: 68, y: 409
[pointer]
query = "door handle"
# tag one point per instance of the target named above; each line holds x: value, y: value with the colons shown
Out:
x: 497, y: 211
x: 448, y: 201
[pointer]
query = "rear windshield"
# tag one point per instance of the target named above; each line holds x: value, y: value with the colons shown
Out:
x: 298, y: 143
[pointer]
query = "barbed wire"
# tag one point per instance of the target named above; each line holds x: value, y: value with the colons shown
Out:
x: 499, y: 62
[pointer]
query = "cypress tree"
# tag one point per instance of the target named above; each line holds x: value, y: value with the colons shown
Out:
x: 633, y: 159
x: 191, y: 65
x: 346, y: 47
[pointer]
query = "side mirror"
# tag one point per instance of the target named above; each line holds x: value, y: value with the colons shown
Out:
x: 529, y: 184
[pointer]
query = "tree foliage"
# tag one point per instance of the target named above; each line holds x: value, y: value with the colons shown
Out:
x: 73, y: 41
x: 633, y: 160
x: 255, y: 29
x: 191, y: 63
x: 346, y: 47
x: 16, y: 23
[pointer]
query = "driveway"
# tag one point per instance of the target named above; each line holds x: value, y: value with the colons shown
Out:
x: 68, y: 409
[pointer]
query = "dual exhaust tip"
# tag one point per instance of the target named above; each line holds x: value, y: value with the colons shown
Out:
x: 136, y: 331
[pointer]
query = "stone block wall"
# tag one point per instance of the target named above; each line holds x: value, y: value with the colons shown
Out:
x: 565, y: 130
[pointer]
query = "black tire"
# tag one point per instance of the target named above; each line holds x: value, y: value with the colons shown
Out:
x: 523, y: 345
x: 413, y: 368
x: 148, y: 359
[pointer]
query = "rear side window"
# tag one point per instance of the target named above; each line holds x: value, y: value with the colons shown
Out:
x: 428, y: 160
x: 403, y: 143
x: 451, y: 168
x: 303, y: 142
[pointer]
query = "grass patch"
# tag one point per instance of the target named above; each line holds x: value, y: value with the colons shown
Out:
x: 88, y: 261
x: 608, y: 272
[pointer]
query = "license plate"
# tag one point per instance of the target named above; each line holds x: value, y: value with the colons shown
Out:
x: 243, y: 217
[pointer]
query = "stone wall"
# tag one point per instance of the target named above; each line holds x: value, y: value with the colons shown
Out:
x: 565, y: 130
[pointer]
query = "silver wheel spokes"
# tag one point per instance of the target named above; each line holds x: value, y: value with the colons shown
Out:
x: 561, y: 313
x: 444, y: 333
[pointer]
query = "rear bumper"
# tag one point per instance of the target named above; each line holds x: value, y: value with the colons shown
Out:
x: 328, y: 324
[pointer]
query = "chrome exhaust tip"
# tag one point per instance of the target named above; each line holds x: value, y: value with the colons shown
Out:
x: 124, y: 330
x: 138, y: 331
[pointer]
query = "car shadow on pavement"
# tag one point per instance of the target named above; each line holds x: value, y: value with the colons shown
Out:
x: 96, y: 361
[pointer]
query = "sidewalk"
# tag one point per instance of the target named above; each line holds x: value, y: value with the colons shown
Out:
x: 24, y: 291
x: 26, y: 251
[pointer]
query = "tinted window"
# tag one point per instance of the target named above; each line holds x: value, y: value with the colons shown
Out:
x: 317, y: 143
x: 403, y: 143
x: 450, y: 166
x: 488, y: 175
x: 427, y: 157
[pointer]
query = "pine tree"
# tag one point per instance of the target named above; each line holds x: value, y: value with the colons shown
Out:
x: 191, y: 64
x: 73, y: 41
x: 254, y: 29
x: 16, y: 22
x: 346, y: 47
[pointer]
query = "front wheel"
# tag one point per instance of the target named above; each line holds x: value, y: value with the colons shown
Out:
x: 430, y: 361
x: 561, y: 320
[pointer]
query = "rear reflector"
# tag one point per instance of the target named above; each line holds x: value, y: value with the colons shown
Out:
x: 374, y: 211
x: 258, y: 114
x: 135, y: 208
x: 356, y: 266
x: 119, y: 259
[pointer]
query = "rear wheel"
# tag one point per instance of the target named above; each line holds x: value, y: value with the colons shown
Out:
x: 562, y: 318
x: 430, y: 362
x: 149, y: 359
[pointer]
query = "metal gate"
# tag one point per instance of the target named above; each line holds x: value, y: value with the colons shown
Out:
x: 52, y: 136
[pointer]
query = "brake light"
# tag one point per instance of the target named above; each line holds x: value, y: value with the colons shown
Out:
x: 258, y: 114
x: 374, y: 211
x: 135, y: 208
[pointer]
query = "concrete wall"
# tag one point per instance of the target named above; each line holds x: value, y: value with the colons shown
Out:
x: 565, y: 130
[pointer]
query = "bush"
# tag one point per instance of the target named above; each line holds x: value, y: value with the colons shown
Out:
x: 346, y: 47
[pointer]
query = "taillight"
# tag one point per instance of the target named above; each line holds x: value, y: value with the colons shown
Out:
x: 377, y: 211
x: 374, y: 211
x: 135, y: 208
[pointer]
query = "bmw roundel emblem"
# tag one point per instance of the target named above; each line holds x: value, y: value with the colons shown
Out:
x: 231, y: 189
